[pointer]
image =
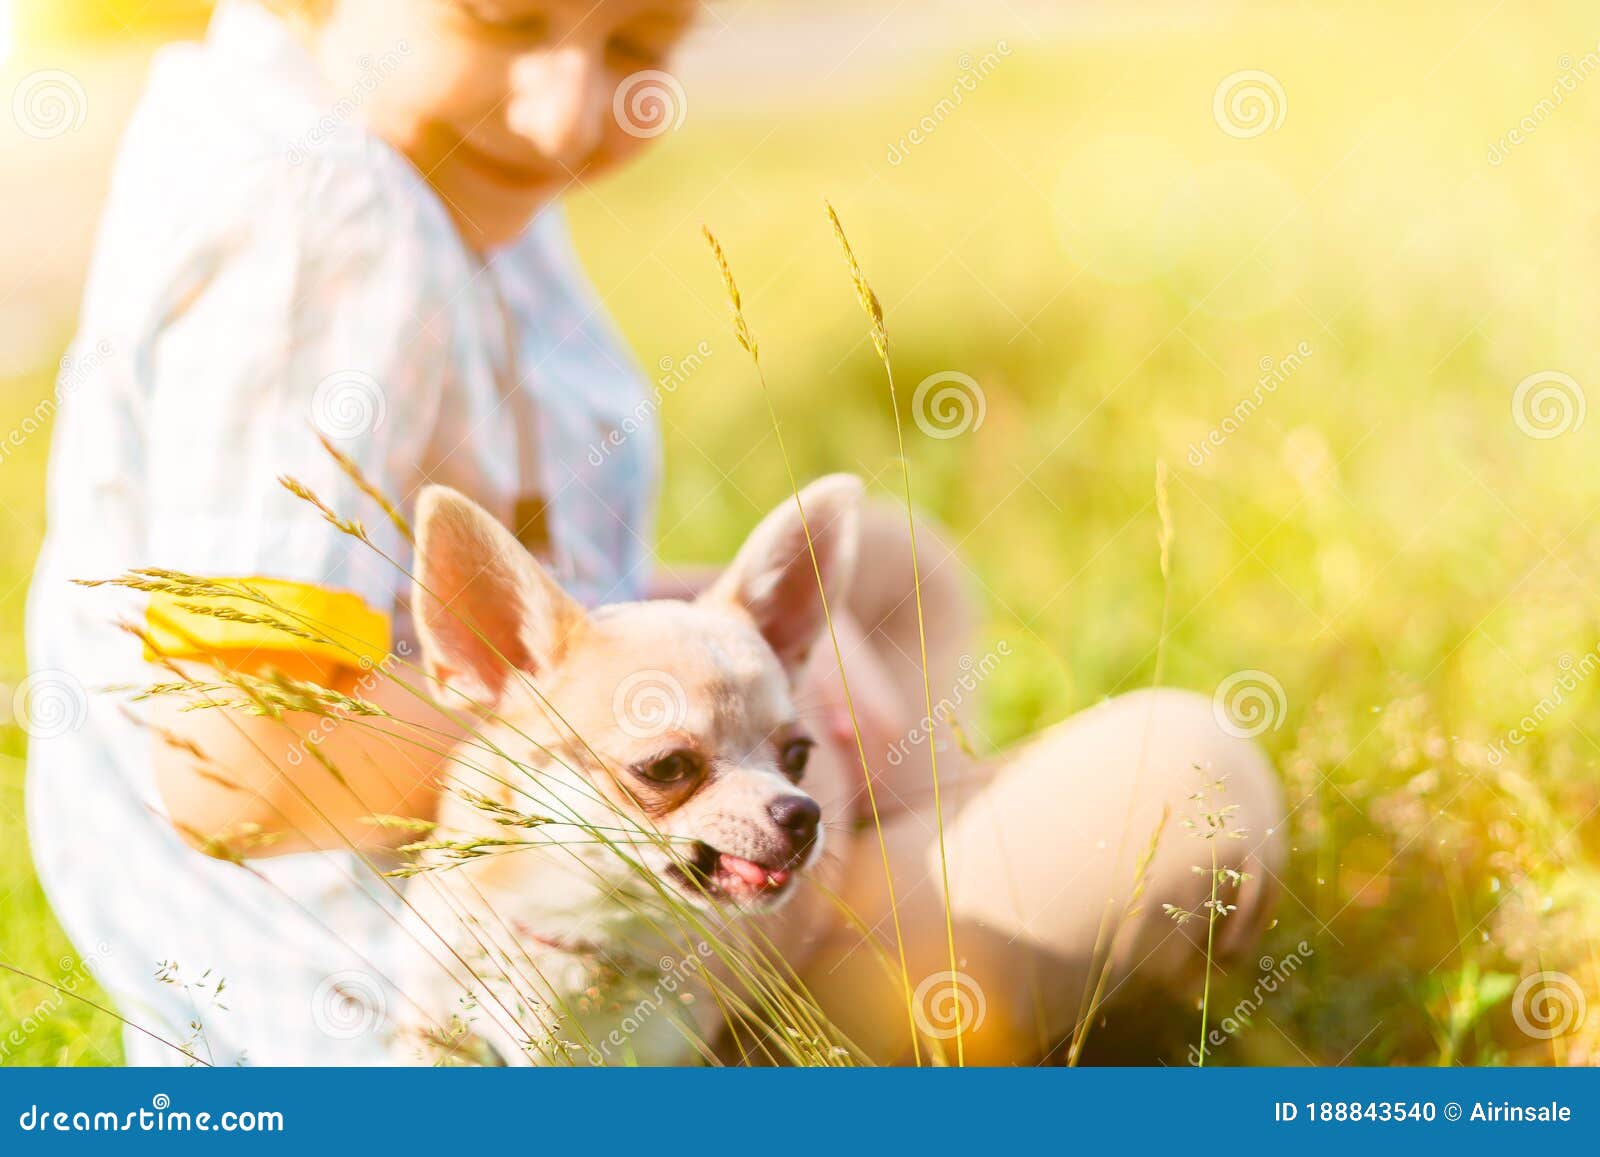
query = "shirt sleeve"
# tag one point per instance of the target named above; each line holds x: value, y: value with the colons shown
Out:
x: 316, y: 316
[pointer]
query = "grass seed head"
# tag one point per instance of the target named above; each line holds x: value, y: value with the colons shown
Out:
x: 741, y: 328
x: 869, y: 300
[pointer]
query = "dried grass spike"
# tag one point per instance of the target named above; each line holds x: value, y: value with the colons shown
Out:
x: 353, y: 472
x: 869, y: 300
x: 741, y: 328
x: 1164, y: 511
x: 350, y: 526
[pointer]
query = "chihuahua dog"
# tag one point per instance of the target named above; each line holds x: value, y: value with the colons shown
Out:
x: 633, y: 789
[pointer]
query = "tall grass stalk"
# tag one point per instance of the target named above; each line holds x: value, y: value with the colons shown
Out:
x: 1213, y: 822
x: 880, y: 342
x: 747, y: 340
x: 98, y: 1007
x: 1211, y: 939
x: 1105, y: 938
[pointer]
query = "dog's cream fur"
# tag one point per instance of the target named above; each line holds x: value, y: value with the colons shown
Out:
x: 572, y: 945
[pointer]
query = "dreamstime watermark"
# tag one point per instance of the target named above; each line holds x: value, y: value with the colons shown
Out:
x: 348, y: 404
x: 348, y: 1004
x: 373, y: 72
x: 161, y: 1117
x: 1573, y: 73
x: 948, y: 404
x: 974, y: 71
x: 326, y: 725
x: 1248, y: 103
x: 49, y: 103
x: 73, y: 975
x: 647, y: 704
x: 75, y: 369
x: 674, y: 373
x: 675, y: 974
x: 1548, y: 404
x: 949, y: 1004
x: 1273, y: 374
x: 1275, y: 974
x: 1249, y: 703
x: 1549, y: 1004
x: 972, y: 674
x: 650, y: 103
x: 1574, y: 672
x: 49, y: 703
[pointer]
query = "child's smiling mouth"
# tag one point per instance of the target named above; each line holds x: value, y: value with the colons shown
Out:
x: 510, y: 175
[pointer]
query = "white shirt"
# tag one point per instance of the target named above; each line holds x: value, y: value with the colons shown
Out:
x: 267, y: 269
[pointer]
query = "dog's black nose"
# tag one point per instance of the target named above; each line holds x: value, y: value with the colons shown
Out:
x: 798, y: 815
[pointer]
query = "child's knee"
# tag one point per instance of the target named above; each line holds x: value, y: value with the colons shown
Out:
x: 1234, y: 780
x: 1167, y: 750
x: 1191, y: 740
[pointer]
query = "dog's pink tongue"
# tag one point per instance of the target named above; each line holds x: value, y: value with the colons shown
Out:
x: 752, y: 874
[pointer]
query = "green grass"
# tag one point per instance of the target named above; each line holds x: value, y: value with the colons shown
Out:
x: 1379, y: 536
x: 51, y: 1029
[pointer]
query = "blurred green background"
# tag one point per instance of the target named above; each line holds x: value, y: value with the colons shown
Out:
x: 1112, y: 252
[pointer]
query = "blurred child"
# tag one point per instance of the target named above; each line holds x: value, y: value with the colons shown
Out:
x: 333, y: 217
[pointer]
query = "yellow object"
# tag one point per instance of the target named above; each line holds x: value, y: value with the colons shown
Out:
x: 348, y: 632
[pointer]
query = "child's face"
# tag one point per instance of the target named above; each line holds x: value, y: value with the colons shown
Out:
x: 499, y: 103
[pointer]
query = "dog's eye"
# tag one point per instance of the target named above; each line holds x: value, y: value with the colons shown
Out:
x: 673, y: 768
x: 795, y: 755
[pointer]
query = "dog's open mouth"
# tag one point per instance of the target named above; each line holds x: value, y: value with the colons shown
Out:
x: 724, y: 876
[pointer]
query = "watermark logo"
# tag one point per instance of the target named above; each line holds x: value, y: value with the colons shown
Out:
x: 948, y: 404
x: 1548, y: 404
x: 348, y: 1004
x: 77, y: 366
x: 1249, y: 103
x: 373, y: 72
x: 1274, y: 974
x: 973, y: 72
x: 326, y: 725
x: 74, y: 974
x: 649, y: 703
x: 1548, y: 1004
x: 348, y: 404
x: 1574, y: 672
x: 973, y: 672
x: 649, y: 104
x: 675, y: 973
x: 1248, y: 703
x: 1573, y: 73
x: 948, y: 1004
x: 1274, y: 373
x: 49, y: 103
x: 673, y: 373
x: 49, y: 704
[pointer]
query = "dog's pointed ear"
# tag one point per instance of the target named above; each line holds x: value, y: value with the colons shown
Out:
x: 484, y: 608
x: 773, y: 579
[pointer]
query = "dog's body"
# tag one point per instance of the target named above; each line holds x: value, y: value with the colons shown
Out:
x: 635, y: 791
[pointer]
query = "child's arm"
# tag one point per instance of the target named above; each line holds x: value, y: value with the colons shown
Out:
x: 261, y: 790
x: 320, y: 312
